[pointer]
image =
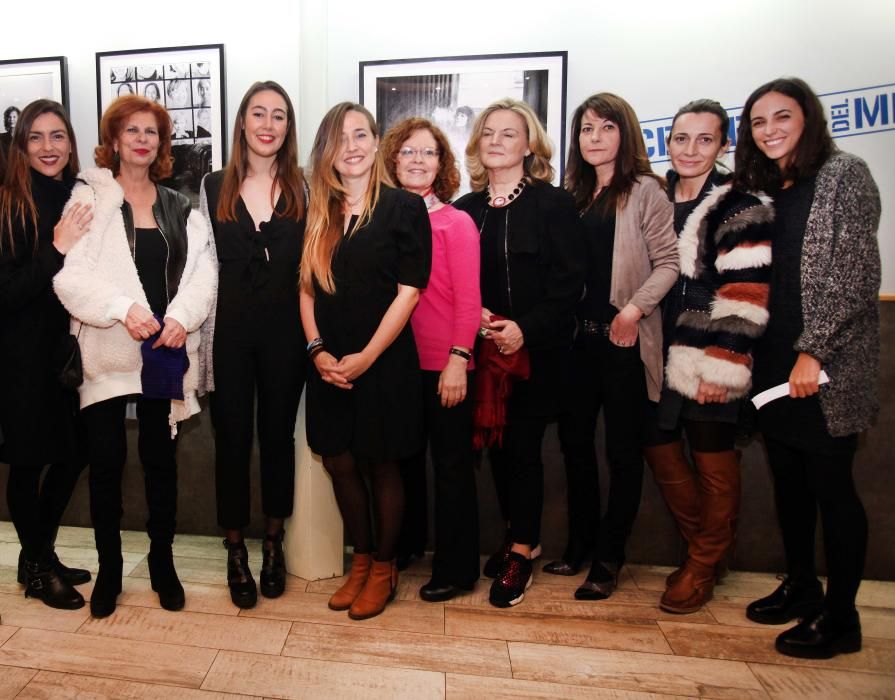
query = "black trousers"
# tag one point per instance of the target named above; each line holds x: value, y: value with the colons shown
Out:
x: 608, y: 377
x: 804, y: 482
x: 36, y: 507
x: 107, y: 453
x: 274, y: 371
x: 449, y: 434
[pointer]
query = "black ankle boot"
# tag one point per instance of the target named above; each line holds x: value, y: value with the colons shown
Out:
x: 73, y: 577
x: 243, y: 591
x: 104, y: 598
x: 42, y: 582
x: 273, y: 567
x: 164, y: 578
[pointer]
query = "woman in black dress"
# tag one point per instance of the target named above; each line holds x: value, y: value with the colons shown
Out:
x: 367, y: 254
x: 38, y: 416
x: 256, y: 209
x: 824, y: 314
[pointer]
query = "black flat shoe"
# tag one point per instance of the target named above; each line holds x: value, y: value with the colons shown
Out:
x: 561, y: 567
x: 821, y: 637
x: 600, y: 583
x: 243, y: 591
x: 73, y: 577
x: 164, y: 578
x: 273, y: 567
x: 433, y: 592
x: 791, y: 600
x: 405, y: 559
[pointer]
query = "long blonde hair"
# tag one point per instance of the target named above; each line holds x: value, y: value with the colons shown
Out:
x: 328, y: 197
x: 536, y: 165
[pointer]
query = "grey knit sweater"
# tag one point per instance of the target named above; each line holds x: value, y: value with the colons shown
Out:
x: 840, y: 291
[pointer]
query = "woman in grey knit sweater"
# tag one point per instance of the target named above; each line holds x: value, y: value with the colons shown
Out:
x: 824, y: 315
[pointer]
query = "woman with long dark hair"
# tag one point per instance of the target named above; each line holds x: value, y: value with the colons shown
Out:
x: 138, y: 287
x: 253, y: 339
x: 38, y: 415
x: 531, y: 277
x: 711, y: 318
x: 824, y: 315
x: 417, y: 156
x: 616, y: 365
x: 367, y: 255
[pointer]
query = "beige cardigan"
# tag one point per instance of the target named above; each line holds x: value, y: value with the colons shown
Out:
x: 645, y: 265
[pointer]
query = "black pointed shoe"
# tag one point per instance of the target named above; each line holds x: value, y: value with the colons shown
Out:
x: 435, y: 592
x: 601, y: 581
x: 42, y: 582
x: 821, y: 637
x: 273, y: 567
x: 164, y: 578
x: 792, y: 599
x: 243, y: 591
x: 71, y: 576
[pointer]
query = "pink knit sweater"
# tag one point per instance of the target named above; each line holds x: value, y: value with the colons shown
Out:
x: 449, y: 310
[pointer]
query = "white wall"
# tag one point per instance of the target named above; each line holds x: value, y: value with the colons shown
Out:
x: 657, y: 55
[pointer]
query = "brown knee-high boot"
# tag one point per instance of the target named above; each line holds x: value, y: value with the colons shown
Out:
x: 719, y: 483
x: 674, y: 477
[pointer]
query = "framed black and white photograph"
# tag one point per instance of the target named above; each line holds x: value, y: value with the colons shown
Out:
x: 189, y: 82
x: 451, y: 90
x: 24, y: 80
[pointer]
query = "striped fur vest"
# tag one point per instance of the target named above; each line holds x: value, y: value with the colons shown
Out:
x: 725, y: 254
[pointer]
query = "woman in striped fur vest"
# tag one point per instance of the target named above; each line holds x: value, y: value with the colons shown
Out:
x: 711, y: 319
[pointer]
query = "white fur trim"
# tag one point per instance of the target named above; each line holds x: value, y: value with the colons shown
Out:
x: 744, y: 257
x: 688, y: 243
x: 682, y: 371
x: 722, y: 308
x: 737, y: 378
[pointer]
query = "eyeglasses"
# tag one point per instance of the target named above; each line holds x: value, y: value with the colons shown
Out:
x: 427, y: 153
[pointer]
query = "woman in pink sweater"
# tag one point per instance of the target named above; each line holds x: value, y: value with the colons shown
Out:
x: 445, y: 321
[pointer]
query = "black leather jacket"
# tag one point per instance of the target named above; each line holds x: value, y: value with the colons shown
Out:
x: 171, y: 211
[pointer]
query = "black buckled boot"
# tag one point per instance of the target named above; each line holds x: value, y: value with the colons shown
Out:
x: 71, y: 576
x: 42, y: 582
x: 243, y: 591
x: 273, y: 567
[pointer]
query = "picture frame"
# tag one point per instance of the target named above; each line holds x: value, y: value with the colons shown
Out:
x: 23, y: 80
x: 452, y: 90
x: 189, y: 81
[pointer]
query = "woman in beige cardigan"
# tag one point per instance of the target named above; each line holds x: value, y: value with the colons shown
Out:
x: 632, y: 262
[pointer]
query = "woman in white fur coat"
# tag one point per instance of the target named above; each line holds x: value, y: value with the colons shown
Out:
x: 711, y: 318
x: 138, y: 286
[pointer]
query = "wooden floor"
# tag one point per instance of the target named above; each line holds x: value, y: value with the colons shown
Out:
x: 550, y: 646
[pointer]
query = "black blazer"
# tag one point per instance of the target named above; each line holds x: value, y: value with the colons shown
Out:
x: 546, y: 259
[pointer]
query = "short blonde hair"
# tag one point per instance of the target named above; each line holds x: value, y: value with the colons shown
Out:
x: 536, y: 165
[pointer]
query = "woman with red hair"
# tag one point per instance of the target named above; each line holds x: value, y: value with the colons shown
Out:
x: 138, y: 286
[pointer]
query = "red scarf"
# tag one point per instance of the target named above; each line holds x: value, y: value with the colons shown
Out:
x: 494, y: 377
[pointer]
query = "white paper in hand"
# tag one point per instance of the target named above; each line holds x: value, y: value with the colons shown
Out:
x: 781, y: 390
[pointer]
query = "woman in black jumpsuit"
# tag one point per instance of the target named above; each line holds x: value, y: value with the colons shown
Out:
x: 256, y: 209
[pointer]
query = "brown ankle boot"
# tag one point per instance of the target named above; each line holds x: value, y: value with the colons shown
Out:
x: 691, y: 590
x: 378, y: 591
x: 350, y: 590
x: 674, y: 477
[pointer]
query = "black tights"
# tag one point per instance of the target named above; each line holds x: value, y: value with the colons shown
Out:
x: 354, y: 504
x: 36, y: 508
x: 803, y: 483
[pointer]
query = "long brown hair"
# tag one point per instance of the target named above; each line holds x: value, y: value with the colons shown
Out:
x: 631, y: 162
x: 536, y: 165
x: 447, y: 179
x: 289, y: 175
x: 112, y: 124
x: 16, y: 201
x: 328, y: 196
x: 753, y: 169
